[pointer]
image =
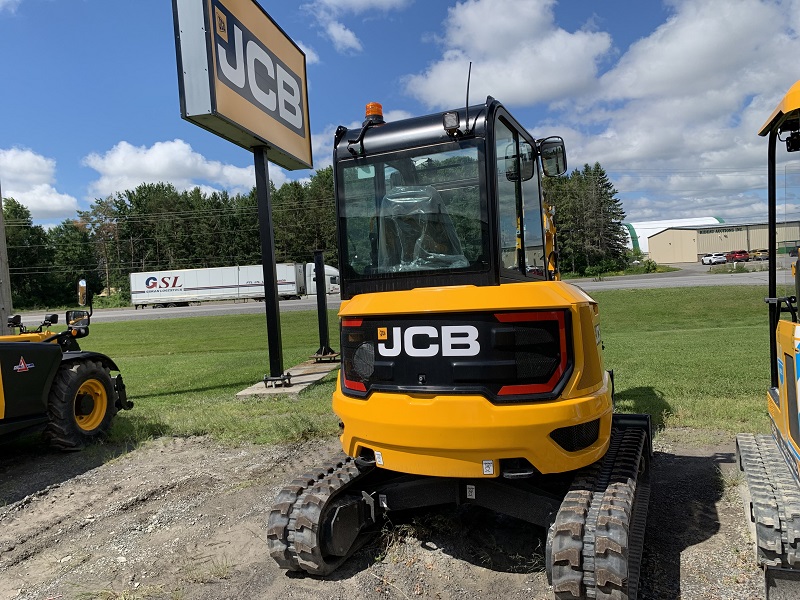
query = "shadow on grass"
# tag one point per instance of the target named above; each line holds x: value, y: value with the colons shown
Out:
x: 238, y: 385
x: 644, y: 400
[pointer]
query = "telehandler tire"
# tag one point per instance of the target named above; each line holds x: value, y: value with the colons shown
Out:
x: 81, y: 405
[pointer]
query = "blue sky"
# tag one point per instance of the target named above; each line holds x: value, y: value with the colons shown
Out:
x: 666, y: 95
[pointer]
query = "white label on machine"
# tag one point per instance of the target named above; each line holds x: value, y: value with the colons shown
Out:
x: 488, y: 467
x: 382, y: 501
x: 379, y: 458
x: 470, y: 492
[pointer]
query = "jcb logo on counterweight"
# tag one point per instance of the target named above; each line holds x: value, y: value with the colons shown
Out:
x: 425, y: 340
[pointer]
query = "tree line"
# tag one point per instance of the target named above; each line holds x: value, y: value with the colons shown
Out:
x: 156, y: 227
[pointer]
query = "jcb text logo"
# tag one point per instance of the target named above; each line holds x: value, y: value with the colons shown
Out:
x: 246, y: 66
x: 424, y: 340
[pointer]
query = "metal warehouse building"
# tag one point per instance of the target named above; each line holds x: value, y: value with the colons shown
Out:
x: 686, y: 244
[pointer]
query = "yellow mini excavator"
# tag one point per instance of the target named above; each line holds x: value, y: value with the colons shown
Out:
x: 470, y: 373
x: 771, y: 463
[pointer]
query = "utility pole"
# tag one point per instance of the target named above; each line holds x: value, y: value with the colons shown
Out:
x: 5, y: 282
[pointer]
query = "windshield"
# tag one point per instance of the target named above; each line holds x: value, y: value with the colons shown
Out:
x: 413, y: 212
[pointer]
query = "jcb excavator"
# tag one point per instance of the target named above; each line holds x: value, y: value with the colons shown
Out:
x: 771, y: 463
x: 470, y: 373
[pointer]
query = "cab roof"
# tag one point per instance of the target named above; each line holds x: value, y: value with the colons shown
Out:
x: 789, y: 104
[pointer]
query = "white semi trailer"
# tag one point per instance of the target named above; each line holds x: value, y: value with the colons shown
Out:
x: 179, y: 287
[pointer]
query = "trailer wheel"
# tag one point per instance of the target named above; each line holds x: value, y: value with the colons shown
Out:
x: 80, y: 406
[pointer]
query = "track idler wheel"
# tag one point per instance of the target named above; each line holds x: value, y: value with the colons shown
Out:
x: 314, y: 524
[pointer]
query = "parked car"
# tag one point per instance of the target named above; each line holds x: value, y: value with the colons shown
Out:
x: 759, y: 254
x: 715, y: 258
x: 737, y: 256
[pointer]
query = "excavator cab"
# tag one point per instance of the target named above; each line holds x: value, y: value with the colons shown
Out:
x: 771, y: 463
x: 470, y: 373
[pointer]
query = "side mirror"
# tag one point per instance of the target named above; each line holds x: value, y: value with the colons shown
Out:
x: 15, y: 321
x: 83, y: 292
x: 554, y: 156
x: 78, y: 319
x: 84, y: 295
x: 51, y: 319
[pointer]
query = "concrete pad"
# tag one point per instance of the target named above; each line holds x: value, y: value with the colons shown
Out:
x: 301, y: 376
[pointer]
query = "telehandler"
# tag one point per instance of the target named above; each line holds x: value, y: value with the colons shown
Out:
x: 470, y: 373
x: 771, y: 463
x: 48, y: 383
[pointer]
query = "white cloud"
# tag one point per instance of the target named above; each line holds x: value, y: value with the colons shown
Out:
x: 672, y: 118
x: 705, y: 45
x: 360, y: 6
x: 126, y: 166
x: 343, y: 39
x: 312, y: 58
x: 518, y: 53
x: 329, y: 13
x: 9, y: 5
x: 28, y: 177
x: 675, y: 120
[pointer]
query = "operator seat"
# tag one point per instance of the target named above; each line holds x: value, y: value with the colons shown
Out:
x: 416, y: 232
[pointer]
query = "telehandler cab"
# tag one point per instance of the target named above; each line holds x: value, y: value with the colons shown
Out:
x: 48, y: 383
x: 771, y: 463
x: 470, y: 373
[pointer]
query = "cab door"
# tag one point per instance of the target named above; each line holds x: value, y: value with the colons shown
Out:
x: 519, y: 202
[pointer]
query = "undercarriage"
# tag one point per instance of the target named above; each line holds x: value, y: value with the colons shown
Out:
x: 594, y: 517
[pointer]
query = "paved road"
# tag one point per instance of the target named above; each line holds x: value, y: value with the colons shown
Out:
x: 689, y: 275
x: 105, y: 315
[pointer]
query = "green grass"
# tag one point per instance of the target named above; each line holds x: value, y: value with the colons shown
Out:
x: 631, y: 270
x: 691, y: 357
x: 183, y: 376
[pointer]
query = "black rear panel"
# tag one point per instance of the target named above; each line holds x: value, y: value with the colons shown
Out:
x: 507, y: 357
x: 28, y: 369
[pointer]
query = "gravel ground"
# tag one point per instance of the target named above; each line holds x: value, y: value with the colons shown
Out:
x: 185, y: 518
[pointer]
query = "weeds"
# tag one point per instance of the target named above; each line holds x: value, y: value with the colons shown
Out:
x: 218, y: 569
x: 729, y: 480
x: 156, y: 592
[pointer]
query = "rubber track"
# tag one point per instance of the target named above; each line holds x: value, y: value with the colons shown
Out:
x: 775, y: 500
x: 598, y: 533
x: 293, y: 526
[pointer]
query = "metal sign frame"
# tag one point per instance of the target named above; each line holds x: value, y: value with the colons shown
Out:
x: 241, y: 77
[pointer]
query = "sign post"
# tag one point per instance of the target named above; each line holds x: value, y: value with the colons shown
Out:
x: 6, y: 307
x: 242, y: 78
x: 276, y: 374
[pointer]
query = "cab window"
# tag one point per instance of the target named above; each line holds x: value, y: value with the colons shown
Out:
x: 519, y: 204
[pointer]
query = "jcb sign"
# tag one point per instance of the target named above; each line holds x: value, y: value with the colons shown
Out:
x: 242, y: 78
